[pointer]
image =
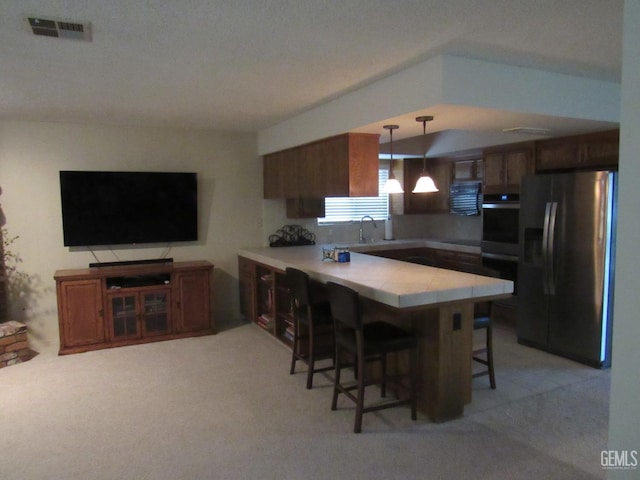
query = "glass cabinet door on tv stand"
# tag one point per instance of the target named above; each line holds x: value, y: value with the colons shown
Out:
x: 155, y: 312
x: 124, y: 316
x: 139, y: 314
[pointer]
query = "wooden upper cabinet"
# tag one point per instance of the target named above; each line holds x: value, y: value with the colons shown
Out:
x: 304, y: 207
x: 467, y: 170
x: 313, y: 169
x: 582, y: 151
x: 280, y: 175
x: 341, y: 166
x: 464, y: 170
x: 505, y: 166
x: 364, y: 150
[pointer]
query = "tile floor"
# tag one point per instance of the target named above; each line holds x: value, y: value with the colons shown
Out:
x: 522, y: 371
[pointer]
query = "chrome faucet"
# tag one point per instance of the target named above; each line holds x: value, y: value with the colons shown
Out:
x: 362, y: 238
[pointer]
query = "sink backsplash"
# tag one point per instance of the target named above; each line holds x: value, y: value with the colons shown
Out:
x: 404, y: 226
x: 438, y: 226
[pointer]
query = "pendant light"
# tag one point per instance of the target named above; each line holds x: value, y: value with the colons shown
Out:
x: 392, y: 185
x: 425, y: 183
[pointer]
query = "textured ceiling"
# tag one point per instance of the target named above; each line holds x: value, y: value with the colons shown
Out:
x: 249, y: 64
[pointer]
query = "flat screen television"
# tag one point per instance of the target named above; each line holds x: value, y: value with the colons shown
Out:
x: 114, y: 208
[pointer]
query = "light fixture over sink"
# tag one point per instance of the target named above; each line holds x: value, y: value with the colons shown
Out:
x: 425, y: 183
x: 392, y: 185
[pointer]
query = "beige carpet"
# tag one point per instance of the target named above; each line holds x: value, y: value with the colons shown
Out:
x: 224, y: 407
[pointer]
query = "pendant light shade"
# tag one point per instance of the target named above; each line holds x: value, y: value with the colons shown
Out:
x: 425, y: 183
x: 392, y: 185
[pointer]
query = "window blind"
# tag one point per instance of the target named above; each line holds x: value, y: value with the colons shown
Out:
x: 350, y: 209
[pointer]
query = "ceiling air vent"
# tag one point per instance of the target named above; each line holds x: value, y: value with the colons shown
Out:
x: 528, y: 130
x: 56, y: 28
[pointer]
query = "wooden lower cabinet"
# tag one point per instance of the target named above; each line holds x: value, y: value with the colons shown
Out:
x: 191, y: 310
x: 125, y: 305
x: 265, y: 299
x: 81, y: 312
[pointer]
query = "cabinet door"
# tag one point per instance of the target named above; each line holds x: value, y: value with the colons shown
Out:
x: 3, y: 290
x: 124, y: 316
x: 315, y: 175
x: 305, y: 207
x: 155, y: 314
x: 504, y: 167
x: 464, y: 170
x: 193, y: 300
x: 280, y: 175
x: 557, y: 155
x: 517, y: 165
x: 363, y: 164
x: 493, y: 172
x: 602, y: 150
x: 81, y: 312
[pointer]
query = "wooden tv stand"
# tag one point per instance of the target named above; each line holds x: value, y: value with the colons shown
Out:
x: 125, y: 305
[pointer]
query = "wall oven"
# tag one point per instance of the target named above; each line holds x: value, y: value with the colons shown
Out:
x: 499, y: 246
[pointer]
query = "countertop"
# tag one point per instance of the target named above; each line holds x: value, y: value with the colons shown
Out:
x: 458, y: 245
x: 391, y: 282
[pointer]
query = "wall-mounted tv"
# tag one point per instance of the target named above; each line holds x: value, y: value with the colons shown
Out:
x: 114, y: 208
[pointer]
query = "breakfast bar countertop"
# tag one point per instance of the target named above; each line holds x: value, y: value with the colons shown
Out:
x: 391, y: 282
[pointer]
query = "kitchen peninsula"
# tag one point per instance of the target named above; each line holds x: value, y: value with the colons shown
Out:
x: 437, y: 304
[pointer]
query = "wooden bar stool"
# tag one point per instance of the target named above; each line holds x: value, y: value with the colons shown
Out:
x: 482, y: 320
x: 367, y: 342
x: 316, y: 318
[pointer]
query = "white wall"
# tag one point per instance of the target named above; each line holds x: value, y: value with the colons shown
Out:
x: 31, y: 155
x: 624, y: 418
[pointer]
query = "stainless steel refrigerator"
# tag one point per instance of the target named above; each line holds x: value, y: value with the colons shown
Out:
x: 565, y: 266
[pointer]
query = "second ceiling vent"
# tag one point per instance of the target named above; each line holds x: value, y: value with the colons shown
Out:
x: 56, y: 28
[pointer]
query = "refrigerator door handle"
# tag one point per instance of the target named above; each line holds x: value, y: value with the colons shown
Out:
x: 551, y: 253
x: 545, y: 248
x: 603, y: 212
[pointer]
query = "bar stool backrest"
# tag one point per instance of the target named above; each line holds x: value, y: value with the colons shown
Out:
x: 299, y: 286
x: 345, y: 305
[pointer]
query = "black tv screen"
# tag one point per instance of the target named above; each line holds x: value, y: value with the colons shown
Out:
x: 110, y: 208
